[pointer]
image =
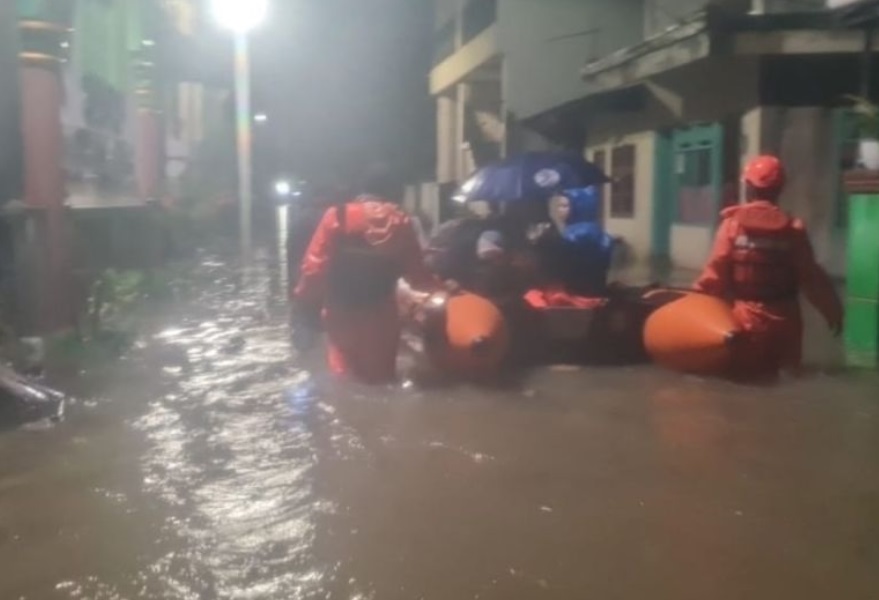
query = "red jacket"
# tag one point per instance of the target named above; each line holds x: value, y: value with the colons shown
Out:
x: 762, y: 251
x: 379, y: 225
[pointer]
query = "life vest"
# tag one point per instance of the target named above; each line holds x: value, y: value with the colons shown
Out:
x: 364, y: 270
x: 763, y: 268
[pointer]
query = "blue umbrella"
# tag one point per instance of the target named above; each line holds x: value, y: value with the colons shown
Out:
x: 531, y: 176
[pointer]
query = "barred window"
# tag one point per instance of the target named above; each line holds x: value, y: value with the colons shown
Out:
x: 622, y: 195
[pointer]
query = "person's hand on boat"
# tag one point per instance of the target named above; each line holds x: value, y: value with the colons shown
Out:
x: 452, y: 287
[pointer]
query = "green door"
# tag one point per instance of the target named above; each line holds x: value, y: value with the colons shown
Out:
x: 688, y: 181
x: 663, y: 207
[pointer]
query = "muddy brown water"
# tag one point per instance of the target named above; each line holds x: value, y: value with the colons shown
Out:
x: 188, y: 471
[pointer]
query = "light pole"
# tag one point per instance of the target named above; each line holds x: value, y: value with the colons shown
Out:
x: 240, y: 17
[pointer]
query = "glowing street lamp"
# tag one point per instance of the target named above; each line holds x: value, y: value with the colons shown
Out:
x: 283, y: 188
x: 240, y: 17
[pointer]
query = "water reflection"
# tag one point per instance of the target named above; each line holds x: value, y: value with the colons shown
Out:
x: 240, y: 470
x: 212, y: 467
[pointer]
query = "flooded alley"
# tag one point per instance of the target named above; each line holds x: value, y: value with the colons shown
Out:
x: 206, y: 465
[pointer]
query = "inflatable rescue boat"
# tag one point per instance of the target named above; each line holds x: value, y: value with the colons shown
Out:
x: 594, y: 331
x: 462, y: 335
x: 695, y: 333
x: 467, y: 336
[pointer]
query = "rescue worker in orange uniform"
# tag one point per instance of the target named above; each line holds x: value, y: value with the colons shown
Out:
x: 762, y: 260
x: 350, y: 271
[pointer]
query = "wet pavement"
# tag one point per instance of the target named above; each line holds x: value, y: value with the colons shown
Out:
x: 201, y: 467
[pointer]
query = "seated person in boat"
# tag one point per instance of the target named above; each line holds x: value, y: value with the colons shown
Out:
x: 573, y: 249
x: 484, y: 255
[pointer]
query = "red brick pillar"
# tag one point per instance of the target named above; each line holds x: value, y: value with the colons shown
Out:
x: 44, y: 177
x: 147, y: 156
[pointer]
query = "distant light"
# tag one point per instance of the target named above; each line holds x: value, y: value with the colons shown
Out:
x: 284, y: 188
x: 239, y: 16
x: 297, y: 194
x: 65, y: 45
x: 148, y: 43
x: 460, y: 198
x: 260, y: 117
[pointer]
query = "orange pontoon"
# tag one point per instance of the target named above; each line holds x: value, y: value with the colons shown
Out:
x: 694, y: 334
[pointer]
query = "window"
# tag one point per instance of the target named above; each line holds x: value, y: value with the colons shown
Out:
x: 622, y: 191
x: 696, y: 189
x: 479, y: 15
x: 599, y: 159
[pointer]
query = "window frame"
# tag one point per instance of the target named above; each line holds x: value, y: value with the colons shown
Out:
x: 630, y: 211
x: 695, y: 138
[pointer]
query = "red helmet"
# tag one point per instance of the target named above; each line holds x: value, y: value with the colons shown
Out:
x: 765, y: 172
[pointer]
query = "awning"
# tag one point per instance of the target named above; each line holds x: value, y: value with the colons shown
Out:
x: 565, y: 124
x: 863, y: 13
x: 714, y: 32
x: 677, y: 46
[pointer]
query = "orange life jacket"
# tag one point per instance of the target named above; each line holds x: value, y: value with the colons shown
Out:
x: 763, y: 268
x: 365, y: 266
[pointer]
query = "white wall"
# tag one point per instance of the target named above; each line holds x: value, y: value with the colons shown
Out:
x: 801, y: 136
x: 638, y: 231
x: 690, y: 245
x: 444, y: 11
x: 542, y: 72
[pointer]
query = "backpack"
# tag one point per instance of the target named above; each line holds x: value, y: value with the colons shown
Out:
x: 359, y: 275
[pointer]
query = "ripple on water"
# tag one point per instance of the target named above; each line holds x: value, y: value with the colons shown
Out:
x: 232, y: 466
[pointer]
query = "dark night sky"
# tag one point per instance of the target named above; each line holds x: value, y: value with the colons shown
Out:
x: 345, y: 83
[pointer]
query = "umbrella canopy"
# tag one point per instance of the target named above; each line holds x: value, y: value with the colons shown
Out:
x: 531, y: 176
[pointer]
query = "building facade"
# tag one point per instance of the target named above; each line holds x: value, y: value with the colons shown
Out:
x: 498, y: 62
x: 95, y: 83
x: 674, y: 116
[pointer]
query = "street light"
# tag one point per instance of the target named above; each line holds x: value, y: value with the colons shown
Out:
x: 283, y: 188
x: 260, y: 118
x: 240, y: 17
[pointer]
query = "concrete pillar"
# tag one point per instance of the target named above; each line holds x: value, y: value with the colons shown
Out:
x: 11, y: 167
x: 147, y: 165
x: 802, y: 138
x: 445, y: 139
x: 461, y: 170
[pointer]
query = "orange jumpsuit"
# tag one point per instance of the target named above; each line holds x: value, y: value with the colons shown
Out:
x: 762, y: 259
x: 351, y: 268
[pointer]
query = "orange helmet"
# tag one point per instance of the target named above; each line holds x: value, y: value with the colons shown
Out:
x: 765, y: 172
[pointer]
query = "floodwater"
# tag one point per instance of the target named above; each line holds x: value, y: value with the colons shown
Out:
x: 201, y: 467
